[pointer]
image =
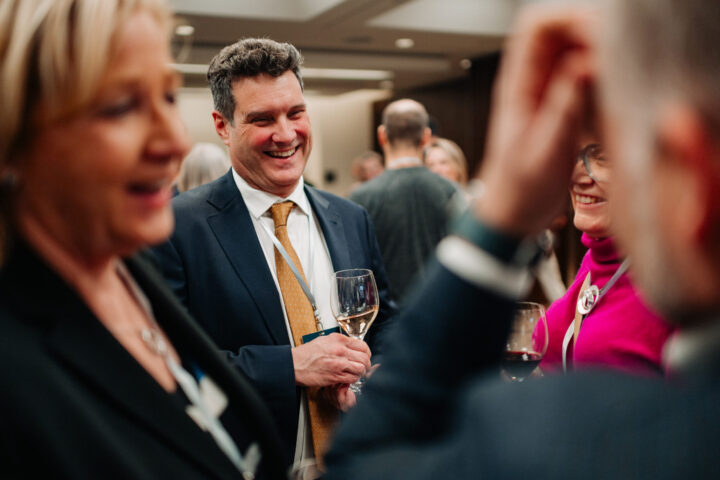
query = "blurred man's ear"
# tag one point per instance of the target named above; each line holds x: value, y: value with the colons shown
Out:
x: 222, y: 127
x: 427, y: 135
x: 382, y: 136
x: 687, y: 143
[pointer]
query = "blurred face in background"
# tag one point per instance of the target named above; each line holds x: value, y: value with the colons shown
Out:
x: 589, y: 195
x: 441, y: 163
x: 372, y: 167
x: 100, y: 181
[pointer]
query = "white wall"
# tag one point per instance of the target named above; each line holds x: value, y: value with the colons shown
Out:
x: 341, y: 124
x: 343, y: 128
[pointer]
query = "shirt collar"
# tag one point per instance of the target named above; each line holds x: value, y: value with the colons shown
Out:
x: 404, y: 162
x: 258, y: 202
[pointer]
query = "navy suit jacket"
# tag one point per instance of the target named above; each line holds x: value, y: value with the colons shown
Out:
x: 77, y: 405
x: 438, y: 409
x: 214, y: 263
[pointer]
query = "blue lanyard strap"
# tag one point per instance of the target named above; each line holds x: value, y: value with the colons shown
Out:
x: 303, y: 284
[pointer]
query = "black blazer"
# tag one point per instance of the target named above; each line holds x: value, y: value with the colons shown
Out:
x: 76, y: 404
x: 214, y: 263
x: 437, y: 408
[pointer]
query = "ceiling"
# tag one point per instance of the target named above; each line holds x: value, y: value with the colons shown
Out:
x: 350, y: 35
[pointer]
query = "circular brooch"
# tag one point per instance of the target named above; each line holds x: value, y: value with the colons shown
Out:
x: 588, y: 299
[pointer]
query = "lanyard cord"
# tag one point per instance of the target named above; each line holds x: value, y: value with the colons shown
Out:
x: 199, y: 410
x: 587, y: 300
x: 303, y: 284
x: 207, y: 419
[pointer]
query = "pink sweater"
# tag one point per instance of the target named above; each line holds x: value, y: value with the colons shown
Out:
x: 621, y: 332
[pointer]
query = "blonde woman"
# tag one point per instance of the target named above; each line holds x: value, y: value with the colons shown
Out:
x: 104, y: 373
x: 445, y: 158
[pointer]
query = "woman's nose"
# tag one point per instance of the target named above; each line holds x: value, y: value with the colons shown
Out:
x: 170, y: 138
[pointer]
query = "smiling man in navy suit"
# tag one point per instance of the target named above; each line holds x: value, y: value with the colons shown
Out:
x: 221, y: 260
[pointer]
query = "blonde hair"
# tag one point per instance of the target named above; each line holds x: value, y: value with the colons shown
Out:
x: 53, y: 54
x: 204, y: 163
x: 455, y: 153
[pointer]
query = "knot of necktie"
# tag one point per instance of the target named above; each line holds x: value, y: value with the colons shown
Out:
x: 280, y: 212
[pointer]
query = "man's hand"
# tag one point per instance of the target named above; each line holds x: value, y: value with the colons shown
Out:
x: 339, y: 396
x: 540, y: 104
x: 330, y: 360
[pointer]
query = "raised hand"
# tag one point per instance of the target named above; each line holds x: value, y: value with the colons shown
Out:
x: 541, y: 102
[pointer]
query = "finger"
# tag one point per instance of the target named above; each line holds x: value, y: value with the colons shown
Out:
x: 359, y: 346
x: 356, y: 368
x: 345, y: 398
x: 541, y: 37
x: 371, y: 370
x: 343, y: 377
x: 561, y: 116
x: 358, y: 357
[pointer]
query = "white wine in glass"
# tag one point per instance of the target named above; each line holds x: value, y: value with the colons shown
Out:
x: 355, y: 303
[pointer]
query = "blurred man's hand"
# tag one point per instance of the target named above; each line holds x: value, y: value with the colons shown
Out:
x: 539, y: 107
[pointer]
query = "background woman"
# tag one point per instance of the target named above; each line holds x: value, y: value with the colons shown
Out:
x: 97, y: 352
x: 445, y: 158
x: 619, y: 331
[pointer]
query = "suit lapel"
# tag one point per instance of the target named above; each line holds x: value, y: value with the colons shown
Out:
x: 93, y: 355
x: 236, y: 235
x: 332, y: 227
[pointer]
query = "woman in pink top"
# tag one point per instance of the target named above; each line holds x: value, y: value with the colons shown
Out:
x: 620, y: 331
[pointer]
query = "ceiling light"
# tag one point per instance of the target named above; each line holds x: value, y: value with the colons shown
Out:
x: 346, y: 74
x: 190, y: 68
x: 404, y: 43
x: 184, y: 30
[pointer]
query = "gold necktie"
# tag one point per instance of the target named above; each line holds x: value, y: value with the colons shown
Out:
x: 302, y: 322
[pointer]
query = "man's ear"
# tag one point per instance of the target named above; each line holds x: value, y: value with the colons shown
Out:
x: 382, y: 136
x: 222, y: 127
x: 685, y: 140
x: 427, y: 135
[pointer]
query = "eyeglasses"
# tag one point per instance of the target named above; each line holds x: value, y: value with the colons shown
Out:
x: 596, y: 164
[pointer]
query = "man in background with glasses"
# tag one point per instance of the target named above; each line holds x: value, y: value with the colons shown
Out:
x: 436, y: 409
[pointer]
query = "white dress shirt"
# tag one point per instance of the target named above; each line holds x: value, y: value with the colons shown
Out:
x: 309, y: 244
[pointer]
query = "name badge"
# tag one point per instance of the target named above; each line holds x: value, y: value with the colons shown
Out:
x: 320, y: 333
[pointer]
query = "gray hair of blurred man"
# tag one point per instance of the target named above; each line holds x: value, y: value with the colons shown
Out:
x: 656, y: 54
x: 405, y: 122
x: 249, y: 57
x: 204, y: 163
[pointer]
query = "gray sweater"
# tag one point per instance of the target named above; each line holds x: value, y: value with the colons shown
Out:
x: 410, y: 210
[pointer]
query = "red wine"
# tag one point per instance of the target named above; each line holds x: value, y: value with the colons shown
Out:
x: 519, y: 365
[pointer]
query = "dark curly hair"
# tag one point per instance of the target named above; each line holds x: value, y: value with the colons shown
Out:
x: 249, y: 57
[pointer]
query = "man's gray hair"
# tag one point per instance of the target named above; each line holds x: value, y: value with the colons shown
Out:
x: 249, y: 57
x: 665, y: 49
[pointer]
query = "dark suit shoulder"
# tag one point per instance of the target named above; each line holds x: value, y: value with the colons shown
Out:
x: 337, y: 201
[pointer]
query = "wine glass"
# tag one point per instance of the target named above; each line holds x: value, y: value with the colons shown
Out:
x: 355, y: 303
x: 527, y: 342
x: 307, y: 469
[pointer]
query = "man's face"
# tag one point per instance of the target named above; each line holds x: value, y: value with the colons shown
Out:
x: 270, y: 140
x: 646, y: 201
